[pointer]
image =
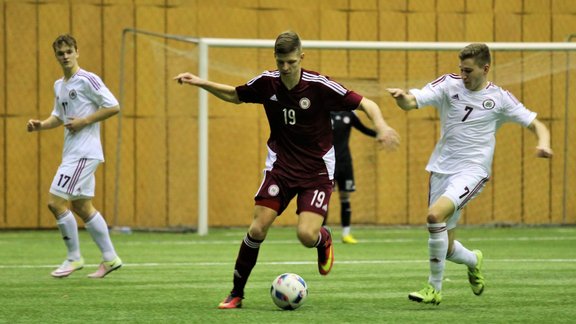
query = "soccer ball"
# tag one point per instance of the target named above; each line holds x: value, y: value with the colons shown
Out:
x: 289, y: 291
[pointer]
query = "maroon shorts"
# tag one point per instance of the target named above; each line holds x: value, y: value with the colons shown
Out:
x: 276, y: 192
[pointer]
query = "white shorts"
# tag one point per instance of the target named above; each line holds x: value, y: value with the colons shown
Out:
x: 75, y: 180
x: 460, y: 188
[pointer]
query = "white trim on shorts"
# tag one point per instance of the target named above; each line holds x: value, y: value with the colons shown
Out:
x: 75, y: 180
x: 460, y: 188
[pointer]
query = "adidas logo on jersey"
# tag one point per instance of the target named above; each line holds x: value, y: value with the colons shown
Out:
x: 455, y: 97
x: 273, y: 98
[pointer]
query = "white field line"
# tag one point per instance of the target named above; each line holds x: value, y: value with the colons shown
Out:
x: 350, y: 262
x: 272, y: 241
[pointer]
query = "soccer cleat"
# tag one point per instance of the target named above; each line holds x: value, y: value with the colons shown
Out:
x: 349, y: 239
x: 475, y: 276
x: 428, y: 295
x: 326, y: 255
x: 106, y: 267
x: 231, y: 302
x: 67, y: 267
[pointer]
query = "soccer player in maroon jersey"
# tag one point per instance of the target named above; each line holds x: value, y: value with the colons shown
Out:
x: 301, y: 157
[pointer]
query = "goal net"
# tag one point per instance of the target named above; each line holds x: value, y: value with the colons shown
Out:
x: 187, y: 160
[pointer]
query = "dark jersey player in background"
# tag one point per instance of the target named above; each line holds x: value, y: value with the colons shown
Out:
x: 301, y: 157
x: 342, y: 123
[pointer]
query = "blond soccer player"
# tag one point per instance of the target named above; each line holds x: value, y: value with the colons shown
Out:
x: 471, y: 110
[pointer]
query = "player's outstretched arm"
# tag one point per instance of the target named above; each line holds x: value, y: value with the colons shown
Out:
x: 38, y: 125
x: 404, y: 99
x: 222, y: 91
x: 386, y: 136
x: 542, y: 133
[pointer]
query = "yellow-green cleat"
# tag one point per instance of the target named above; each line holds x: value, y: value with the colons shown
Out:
x: 106, y: 267
x: 428, y: 295
x: 475, y: 276
x: 349, y: 239
x: 67, y: 267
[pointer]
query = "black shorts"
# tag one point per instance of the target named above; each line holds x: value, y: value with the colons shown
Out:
x: 344, y: 177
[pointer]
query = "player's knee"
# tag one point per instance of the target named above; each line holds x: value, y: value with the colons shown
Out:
x: 433, y: 217
x: 257, y: 232
x: 307, y: 237
x: 56, y: 209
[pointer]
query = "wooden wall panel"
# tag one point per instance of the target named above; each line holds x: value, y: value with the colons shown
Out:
x: 363, y: 27
x: 392, y: 184
x: 21, y: 104
x: 537, y: 89
x: 454, y: 6
x: 150, y: 136
x: 182, y: 102
x: 507, y: 172
x: 333, y: 26
x: 480, y: 6
x: 479, y: 27
x: 563, y: 7
x: 507, y: 6
x: 116, y: 16
x: 563, y: 174
x: 538, y: 7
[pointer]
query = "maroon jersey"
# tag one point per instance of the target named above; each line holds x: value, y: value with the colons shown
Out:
x: 300, y: 142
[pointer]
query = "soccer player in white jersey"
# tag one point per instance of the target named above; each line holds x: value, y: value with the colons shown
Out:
x: 301, y: 159
x: 81, y: 102
x: 471, y: 110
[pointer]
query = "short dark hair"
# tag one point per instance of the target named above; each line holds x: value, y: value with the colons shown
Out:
x: 478, y: 51
x: 64, y: 39
x: 287, y: 42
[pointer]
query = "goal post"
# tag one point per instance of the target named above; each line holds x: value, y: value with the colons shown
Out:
x: 555, y: 56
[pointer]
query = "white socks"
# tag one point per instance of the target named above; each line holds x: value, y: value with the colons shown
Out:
x: 345, y: 230
x: 98, y: 229
x: 69, y: 230
x: 437, y: 249
x: 462, y: 255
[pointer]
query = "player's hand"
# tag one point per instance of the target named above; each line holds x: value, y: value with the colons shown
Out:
x: 34, y: 125
x: 75, y: 124
x: 187, y: 77
x: 396, y: 93
x: 544, y: 152
x: 388, y: 139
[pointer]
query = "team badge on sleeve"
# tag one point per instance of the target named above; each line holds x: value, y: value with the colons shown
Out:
x: 488, y: 104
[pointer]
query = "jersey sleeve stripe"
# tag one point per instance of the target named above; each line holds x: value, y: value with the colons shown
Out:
x: 93, y: 81
x: 443, y: 78
x: 439, y: 80
x: 325, y: 81
x: 271, y: 74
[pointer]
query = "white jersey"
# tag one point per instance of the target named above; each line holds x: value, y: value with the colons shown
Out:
x: 81, y: 96
x: 469, y: 121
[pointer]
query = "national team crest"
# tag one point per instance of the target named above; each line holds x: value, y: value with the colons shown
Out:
x: 304, y: 103
x: 273, y: 190
x: 488, y: 104
x: 72, y: 94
